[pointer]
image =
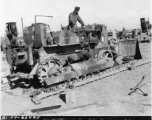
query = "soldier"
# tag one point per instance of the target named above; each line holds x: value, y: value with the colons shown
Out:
x: 74, y: 17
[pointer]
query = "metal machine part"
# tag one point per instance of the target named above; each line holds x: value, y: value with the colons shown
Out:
x: 40, y: 94
x: 16, y: 57
x: 57, y: 57
x: 12, y: 33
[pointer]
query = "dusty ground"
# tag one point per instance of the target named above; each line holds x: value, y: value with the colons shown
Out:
x: 108, y: 96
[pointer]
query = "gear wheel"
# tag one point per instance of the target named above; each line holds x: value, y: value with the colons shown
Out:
x: 48, y: 68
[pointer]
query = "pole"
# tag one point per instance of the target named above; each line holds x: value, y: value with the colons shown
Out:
x: 22, y: 26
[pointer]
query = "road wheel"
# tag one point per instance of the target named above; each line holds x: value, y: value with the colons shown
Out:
x: 106, y: 55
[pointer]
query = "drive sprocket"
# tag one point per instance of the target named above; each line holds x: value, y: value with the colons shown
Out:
x: 51, y: 66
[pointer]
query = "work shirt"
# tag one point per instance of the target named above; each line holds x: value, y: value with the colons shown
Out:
x: 73, y: 18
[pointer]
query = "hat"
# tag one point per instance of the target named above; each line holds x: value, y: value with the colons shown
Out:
x: 77, y: 8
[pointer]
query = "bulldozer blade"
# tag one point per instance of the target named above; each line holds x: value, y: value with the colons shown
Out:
x: 91, y: 66
x: 130, y: 48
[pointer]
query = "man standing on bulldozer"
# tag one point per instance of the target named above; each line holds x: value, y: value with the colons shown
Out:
x: 74, y: 17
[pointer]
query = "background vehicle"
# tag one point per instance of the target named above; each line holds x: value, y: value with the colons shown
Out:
x: 143, y: 34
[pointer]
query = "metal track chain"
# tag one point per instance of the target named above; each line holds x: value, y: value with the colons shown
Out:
x: 82, y: 80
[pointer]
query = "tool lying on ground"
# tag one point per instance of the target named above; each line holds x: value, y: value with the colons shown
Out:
x: 41, y: 110
x: 138, y: 87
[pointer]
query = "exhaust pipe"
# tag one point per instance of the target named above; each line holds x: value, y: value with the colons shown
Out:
x: 30, y: 56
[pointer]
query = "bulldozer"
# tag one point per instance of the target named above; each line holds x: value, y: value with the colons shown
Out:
x: 55, y: 57
x: 145, y: 34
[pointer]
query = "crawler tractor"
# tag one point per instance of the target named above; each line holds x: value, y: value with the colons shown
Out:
x: 145, y: 30
x: 55, y: 57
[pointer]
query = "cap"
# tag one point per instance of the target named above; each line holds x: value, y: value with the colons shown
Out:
x: 78, y: 8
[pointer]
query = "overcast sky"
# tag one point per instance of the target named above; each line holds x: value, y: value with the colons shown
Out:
x: 114, y: 13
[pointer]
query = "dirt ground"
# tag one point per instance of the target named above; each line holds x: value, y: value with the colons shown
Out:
x: 105, y: 97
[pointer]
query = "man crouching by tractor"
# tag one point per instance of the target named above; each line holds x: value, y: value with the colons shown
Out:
x: 74, y: 17
x: 114, y: 47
